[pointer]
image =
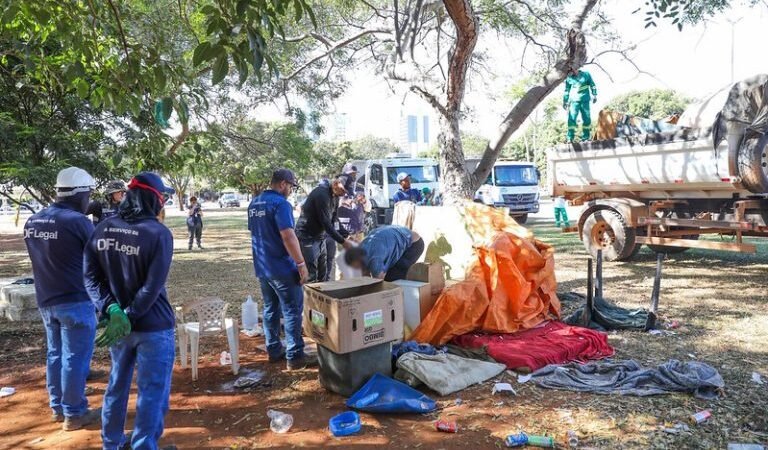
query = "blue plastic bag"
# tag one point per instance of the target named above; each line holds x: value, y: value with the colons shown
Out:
x: 345, y: 424
x: 385, y: 395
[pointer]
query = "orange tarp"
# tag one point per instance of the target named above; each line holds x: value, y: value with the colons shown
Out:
x: 510, y: 287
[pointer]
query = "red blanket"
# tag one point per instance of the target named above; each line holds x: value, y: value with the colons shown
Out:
x: 549, y: 343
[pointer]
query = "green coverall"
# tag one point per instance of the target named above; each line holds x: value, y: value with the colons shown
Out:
x: 579, y: 90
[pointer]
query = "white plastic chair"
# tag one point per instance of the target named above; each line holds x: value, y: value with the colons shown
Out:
x: 211, y: 320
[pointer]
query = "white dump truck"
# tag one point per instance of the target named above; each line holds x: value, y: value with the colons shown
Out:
x: 709, y: 176
x: 511, y: 184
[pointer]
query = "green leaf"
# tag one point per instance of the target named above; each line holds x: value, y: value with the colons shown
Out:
x: 167, y: 107
x: 183, y: 111
x: 83, y: 89
x: 10, y: 13
x: 299, y: 9
x: 242, y: 5
x: 160, y: 78
x: 220, y: 69
x: 200, y: 53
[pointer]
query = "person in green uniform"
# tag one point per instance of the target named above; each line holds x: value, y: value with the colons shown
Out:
x: 579, y: 90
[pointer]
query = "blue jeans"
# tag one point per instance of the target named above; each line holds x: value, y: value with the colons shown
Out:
x: 70, y: 329
x: 283, y: 295
x: 153, y: 353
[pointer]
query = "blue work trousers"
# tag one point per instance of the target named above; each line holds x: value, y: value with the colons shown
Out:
x: 70, y: 329
x: 283, y: 296
x: 153, y: 353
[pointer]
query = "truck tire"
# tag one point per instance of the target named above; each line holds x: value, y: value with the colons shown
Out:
x: 752, y: 163
x: 606, y: 229
x: 521, y: 219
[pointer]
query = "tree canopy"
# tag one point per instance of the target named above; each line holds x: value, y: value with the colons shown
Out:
x: 652, y: 103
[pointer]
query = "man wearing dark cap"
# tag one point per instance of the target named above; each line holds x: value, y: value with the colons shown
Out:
x: 316, y: 221
x: 280, y: 267
x: 126, y: 264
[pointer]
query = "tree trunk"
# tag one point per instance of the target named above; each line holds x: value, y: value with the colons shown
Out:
x: 456, y: 181
x: 180, y: 195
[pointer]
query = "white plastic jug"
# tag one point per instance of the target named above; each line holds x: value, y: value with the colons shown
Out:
x: 250, y: 310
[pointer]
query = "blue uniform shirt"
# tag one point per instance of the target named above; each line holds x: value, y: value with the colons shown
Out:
x: 128, y: 263
x: 413, y: 195
x: 55, y: 239
x: 384, y: 246
x: 268, y: 214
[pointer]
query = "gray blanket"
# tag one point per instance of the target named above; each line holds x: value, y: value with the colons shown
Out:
x: 630, y: 378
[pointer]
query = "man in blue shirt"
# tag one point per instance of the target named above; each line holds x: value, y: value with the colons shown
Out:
x: 406, y: 192
x: 127, y: 261
x: 280, y: 268
x: 55, y: 239
x: 387, y: 252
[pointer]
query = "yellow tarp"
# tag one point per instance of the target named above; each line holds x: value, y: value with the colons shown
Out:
x: 511, y: 286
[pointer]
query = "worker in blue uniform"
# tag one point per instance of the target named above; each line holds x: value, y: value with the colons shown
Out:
x: 55, y: 238
x: 126, y: 266
x: 113, y: 195
x: 406, y: 192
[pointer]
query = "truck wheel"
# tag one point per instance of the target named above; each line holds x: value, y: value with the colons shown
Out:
x: 607, y: 230
x: 521, y: 219
x: 752, y: 163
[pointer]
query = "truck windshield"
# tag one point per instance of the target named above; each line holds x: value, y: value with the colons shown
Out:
x: 419, y: 174
x: 515, y: 176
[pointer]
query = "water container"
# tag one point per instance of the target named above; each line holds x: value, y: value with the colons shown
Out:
x: 345, y: 424
x: 250, y: 310
x: 345, y: 373
x: 280, y: 422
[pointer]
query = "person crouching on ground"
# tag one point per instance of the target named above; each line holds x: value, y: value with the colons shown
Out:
x: 387, y: 252
x: 55, y: 238
x: 280, y: 268
x: 126, y: 267
x: 195, y: 222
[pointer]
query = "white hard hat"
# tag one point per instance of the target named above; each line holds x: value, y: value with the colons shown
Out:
x: 72, y: 180
x: 402, y: 176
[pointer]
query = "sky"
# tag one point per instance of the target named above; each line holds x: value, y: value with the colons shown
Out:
x: 696, y: 62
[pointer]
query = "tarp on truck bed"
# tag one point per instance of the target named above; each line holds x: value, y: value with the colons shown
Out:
x: 746, y: 109
x: 509, y: 287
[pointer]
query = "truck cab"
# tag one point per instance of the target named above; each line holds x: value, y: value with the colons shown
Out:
x: 379, y: 177
x: 513, y: 185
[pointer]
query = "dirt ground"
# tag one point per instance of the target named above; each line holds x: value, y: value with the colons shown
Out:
x: 719, y: 298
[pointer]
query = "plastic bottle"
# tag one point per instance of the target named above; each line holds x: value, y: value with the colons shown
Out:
x: 250, y: 311
x: 281, y: 422
x: 573, y: 439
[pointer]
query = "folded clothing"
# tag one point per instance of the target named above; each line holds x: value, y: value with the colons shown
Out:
x: 402, y: 348
x: 630, y: 378
x: 549, y: 343
x: 444, y: 373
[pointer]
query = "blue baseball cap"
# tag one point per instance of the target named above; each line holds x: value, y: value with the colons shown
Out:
x: 151, y: 182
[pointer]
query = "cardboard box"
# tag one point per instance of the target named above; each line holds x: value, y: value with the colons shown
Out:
x: 418, y: 301
x: 428, y: 273
x: 349, y: 315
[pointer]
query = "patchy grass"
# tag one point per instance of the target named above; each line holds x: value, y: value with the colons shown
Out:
x: 720, y: 299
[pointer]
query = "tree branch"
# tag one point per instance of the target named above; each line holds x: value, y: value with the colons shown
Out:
x: 334, y: 47
x: 430, y: 98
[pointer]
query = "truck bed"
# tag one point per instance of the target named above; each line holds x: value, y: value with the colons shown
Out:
x: 679, y: 164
